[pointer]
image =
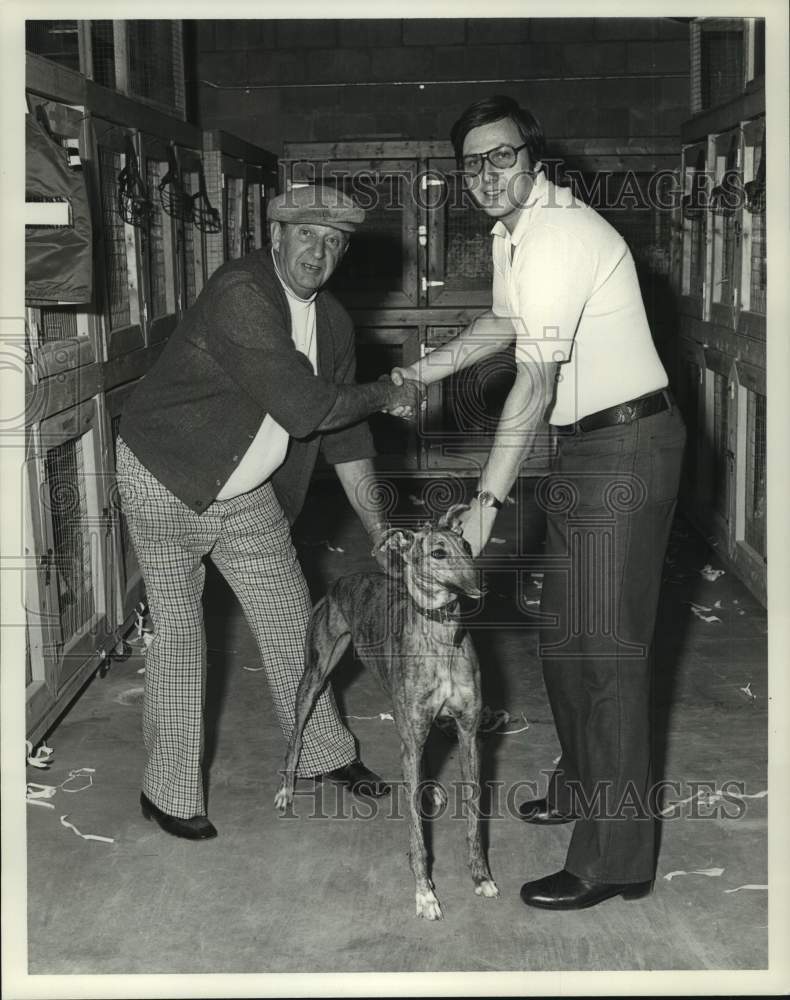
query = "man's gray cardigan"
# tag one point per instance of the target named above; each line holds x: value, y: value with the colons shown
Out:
x: 229, y: 362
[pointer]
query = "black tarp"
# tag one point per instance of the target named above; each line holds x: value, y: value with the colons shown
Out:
x: 58, y: 259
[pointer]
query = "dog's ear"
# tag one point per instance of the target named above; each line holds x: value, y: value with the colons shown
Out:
x: 452, y: 518
x: 395, y: 540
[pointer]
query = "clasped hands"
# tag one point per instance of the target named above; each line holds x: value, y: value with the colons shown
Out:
x: 408, y: 397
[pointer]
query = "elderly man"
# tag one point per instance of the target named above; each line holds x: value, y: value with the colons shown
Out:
x: 216, y: 449
x: 566, y: 290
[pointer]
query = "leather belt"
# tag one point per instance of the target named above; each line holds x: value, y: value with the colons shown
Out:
x: 623, y: 413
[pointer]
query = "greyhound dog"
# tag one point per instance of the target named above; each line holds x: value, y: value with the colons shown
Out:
x: 405, y: 627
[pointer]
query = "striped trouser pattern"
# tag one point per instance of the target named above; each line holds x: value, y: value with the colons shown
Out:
x: 249, y: 540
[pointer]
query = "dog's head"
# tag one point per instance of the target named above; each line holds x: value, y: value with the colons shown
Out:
x: 434, y: 561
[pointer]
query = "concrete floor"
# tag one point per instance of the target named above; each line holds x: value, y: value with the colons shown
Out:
x: 318, y: 893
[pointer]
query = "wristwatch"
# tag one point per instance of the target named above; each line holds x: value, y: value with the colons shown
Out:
x: 487, y: 499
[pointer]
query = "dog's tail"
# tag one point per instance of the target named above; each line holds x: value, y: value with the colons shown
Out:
x: 328, y: 635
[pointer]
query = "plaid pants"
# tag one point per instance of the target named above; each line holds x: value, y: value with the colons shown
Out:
x: 249, y: 540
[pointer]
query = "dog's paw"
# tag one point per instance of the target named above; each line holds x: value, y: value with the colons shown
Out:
x: 487, y: 888
x: 428, y: 905
x: 283, y: 799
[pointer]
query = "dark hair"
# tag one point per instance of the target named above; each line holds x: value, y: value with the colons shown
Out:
x: 494, y: 109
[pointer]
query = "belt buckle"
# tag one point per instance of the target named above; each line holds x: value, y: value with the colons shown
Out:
x: 626, y: 413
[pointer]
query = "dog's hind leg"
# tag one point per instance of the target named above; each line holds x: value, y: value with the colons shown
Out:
x: 469, y: 754
x: 328, y: 636
x: 413, y: 739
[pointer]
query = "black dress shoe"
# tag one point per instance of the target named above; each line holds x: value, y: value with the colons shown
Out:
x: 359, y: 779
x: 564, y: 891
x: 196, y: 828
x: 540, y: 812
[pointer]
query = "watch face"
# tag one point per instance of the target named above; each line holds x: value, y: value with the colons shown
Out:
x: 486, y: 499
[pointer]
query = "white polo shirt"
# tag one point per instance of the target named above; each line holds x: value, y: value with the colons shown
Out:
x: 269, y: 447
x: 572, y: 292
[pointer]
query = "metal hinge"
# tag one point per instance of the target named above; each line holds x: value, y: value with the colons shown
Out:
x: 427, y: 182
x: 422, y: 233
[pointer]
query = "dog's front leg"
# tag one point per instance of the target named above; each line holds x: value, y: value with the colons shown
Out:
x: 412, y: 743
x: 469, y: 753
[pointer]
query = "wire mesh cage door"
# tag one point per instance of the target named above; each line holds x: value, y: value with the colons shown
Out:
x: 380, y: 267
x: 755, y: 519
x: 690, y: 393
x: 120, y: 261
x: 141, y: 58
x: 758, y: 261
x: 60, y: 339
x: 253, y: 211
x: 152, y: 51
x: 75, y: 524
x: 127, y: 584
x: 725, y: 212
x: 629, y: 203
x: 459, y: 264
x: 40, y: 672
x: 722, y: 456
x: 233, y: 215
x: 721, y: 64
x: 103, y: 53
x: 191, y: 250
x: 57, y: 41
x: 694, y: 220
x: 754, y: 263
x: 159, y: 242
x: 191, y: 239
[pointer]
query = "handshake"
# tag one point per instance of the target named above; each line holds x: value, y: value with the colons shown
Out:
x: 406, y: 396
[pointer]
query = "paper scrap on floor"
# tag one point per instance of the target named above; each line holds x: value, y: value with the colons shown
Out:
x: 35, y: 794
x: 85, y: 836
x: 80, y: 772
x: 710, y: 872
x: 42, y: 757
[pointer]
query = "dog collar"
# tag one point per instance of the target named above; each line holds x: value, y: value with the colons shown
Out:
x: 445, y: 615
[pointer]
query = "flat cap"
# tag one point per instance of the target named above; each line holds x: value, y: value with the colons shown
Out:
x: 323, y: 206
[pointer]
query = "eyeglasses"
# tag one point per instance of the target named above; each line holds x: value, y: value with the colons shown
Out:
x: 500, y: 158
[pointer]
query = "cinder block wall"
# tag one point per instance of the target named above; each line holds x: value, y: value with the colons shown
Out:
x: 270, y: 81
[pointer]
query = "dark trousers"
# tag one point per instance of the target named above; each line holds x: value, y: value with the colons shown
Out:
x: 609, y: 500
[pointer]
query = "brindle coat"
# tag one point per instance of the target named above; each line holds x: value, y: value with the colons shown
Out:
x: 426, y: 664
